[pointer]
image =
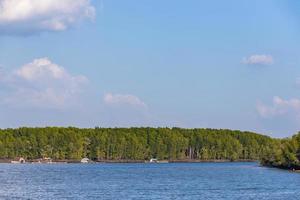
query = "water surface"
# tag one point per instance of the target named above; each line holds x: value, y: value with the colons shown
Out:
x: 147, y: 181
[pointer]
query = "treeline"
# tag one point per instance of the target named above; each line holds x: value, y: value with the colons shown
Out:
x: 132, y: 144
x: 284, y: 153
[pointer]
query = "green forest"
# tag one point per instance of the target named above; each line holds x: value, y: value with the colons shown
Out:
x: 100, y: 144
x: 285, y: 153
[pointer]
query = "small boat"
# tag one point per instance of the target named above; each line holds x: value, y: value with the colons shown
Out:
x: 153, y: 160
x: 18, y: 161
x: 85, y: 160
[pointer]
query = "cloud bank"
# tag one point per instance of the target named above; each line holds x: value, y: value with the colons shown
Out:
x: 125, y: 110
x: 33, y: 16
x: 43, y: 93
x: 258, y: 60
x: 280, y: 106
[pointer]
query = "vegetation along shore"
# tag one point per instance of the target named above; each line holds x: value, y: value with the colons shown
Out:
x: 141, y: 144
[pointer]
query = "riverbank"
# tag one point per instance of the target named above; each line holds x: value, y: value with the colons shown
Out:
x: 291, y: 168
x: 127, y: 161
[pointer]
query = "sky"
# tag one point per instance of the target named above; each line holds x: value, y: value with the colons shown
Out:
x: 194, y: 64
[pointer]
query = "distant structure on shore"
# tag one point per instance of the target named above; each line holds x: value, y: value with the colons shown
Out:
x: 45, y: 160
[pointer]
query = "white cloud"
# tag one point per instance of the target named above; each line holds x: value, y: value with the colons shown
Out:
x: 123, y: 99
x: 42, y: 83
x: 258, y: 60
x: 39, y: 69
x: 31, y: 16
x: 279, y: 107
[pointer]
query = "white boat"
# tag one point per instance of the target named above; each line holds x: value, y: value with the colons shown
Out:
x: 18, y: 161
x: 153, y: 160
x: 85, y: 160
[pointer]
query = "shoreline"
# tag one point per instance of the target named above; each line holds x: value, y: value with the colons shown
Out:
x: 295, y: 170
x: 9, y: 161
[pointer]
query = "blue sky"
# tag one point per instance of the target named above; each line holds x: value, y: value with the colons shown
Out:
x: 219, y: 64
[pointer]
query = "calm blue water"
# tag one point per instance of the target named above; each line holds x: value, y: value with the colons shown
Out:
x: 147, y: 181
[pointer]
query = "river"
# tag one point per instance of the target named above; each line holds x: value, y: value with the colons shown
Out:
x: 147, y: 181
